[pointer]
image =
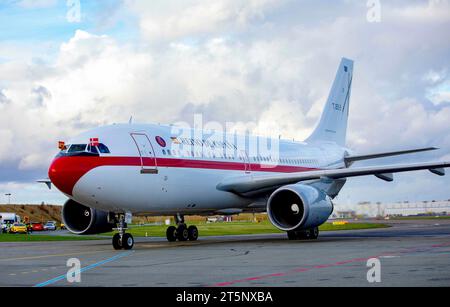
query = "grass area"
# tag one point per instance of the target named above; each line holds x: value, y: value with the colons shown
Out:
x: 241, y: 228
x: 211, y: 229
x: 41, y: 238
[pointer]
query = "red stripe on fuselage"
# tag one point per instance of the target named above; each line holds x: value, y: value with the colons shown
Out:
x: 65, y: 172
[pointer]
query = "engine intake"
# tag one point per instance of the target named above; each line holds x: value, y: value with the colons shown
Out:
x: 84, y: 220
x: 298, y: 206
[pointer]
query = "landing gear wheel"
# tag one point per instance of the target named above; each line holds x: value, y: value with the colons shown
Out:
x: 182, y: 233
x: 307, y: 234
x: 192, y: 233
x: 127, y: 241
x: 117, y: 242
x: 292, y: 235
x: 171, y: 234
x: 314, y: 233
x: 298, y: 234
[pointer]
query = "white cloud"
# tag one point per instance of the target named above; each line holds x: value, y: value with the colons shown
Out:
x: 439, y: 93
x: 227, y: 60
x: 433, y: 77
x: 163, y: 20
x: 31, y: 4
x: 7, y: 143
x: 427, y: 11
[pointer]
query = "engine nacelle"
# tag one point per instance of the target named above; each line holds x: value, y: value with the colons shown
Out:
x: 83, y: 220
x: 298, y: 206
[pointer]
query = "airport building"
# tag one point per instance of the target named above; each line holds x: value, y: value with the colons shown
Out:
x: 434, y: 207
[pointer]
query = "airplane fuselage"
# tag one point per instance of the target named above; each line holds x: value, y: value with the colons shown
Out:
x: 165, y: 170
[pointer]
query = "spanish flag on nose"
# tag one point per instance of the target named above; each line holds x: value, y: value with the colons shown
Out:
x: 175, y: 140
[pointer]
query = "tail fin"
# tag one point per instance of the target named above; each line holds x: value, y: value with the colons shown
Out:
x: 332, y: 126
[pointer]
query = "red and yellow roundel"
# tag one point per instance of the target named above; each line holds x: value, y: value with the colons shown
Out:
x: 160, y: 141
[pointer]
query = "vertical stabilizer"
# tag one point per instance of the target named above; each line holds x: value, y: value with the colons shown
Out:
x: 332, y: 126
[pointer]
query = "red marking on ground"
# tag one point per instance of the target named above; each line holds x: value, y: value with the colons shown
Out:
x: 334, y: 264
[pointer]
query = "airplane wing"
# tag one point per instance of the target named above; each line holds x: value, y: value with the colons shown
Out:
x: 349, y: 159
x: 254, y: 182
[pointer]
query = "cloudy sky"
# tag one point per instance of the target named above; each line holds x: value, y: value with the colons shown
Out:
x: 67, y: 66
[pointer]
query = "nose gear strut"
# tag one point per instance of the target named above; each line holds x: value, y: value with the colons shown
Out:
x: 122, y: 240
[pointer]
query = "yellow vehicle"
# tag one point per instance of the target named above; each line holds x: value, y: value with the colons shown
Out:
x: 338, y: 223
x: 62, y: 226
x: 18, y: 228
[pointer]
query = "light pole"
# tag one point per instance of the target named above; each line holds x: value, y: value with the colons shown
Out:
x: 9, y: 198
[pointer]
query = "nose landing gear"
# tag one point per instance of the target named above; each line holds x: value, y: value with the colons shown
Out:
x: 181, y: 232
x: 122, y: 240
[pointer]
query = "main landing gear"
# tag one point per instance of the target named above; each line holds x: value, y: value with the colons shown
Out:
x: 304, y: 234
x: 122, y: 240
x: 181, y: 232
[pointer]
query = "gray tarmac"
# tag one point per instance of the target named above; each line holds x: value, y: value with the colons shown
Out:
x: 411, y: 253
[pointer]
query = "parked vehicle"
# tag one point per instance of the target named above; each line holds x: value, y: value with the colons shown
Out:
x: 18, y: 228
x: 10, y: 218
x: 50, y: 226
x: 37, y: 226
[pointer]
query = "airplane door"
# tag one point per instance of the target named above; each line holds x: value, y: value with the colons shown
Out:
x: 146, y: 152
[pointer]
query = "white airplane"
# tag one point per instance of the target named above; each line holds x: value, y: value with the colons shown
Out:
x: 112, y: 172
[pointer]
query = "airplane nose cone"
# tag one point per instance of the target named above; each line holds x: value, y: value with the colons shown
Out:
x: 66, y: 171
x: 63, y: 175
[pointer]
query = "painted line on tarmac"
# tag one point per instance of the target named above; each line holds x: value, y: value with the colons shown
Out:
x: 89, y: 267
x: 51, y: 255
x: 405, y: 251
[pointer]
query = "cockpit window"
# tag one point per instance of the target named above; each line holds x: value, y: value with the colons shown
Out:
x: 103, y: 148
x: 92, y: 149
x: 84, y: 150
x: 77, y: 148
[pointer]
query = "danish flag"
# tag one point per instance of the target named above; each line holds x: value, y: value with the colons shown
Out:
x: 94, y: 142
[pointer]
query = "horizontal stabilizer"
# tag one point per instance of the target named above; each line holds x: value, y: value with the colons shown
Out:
x: 350, y: 159
x: 47, y: 181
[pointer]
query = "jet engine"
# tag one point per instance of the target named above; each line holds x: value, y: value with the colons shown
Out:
x: 298, y: 206
x: 83, y: 220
